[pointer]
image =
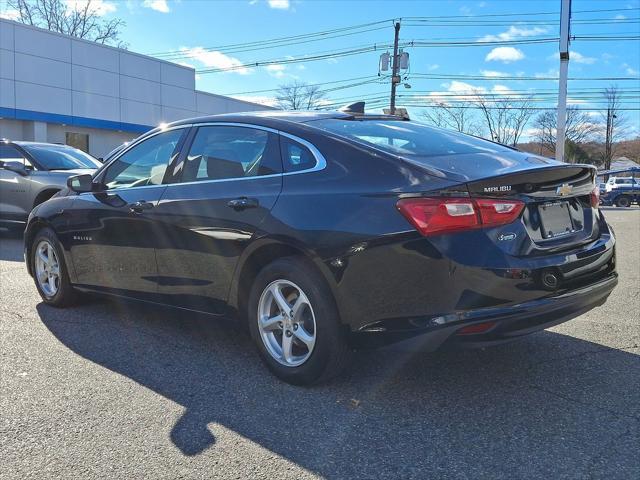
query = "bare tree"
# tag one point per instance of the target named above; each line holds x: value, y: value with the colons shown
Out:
x: 505, y: 117
x: 615, y: 124
x: 299, y: 96
x: 459, y: 116
x: 580, y: 127
x: 82, y: 19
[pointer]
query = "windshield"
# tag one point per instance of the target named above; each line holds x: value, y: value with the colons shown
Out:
x: 61, y: 157
x: 409, y: 139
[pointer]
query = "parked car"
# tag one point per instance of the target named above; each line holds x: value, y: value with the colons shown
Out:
x: 602, y: 187
x: 327, y: 230
x: 31, y: 173
x: 616, y: 182
x: 621, y: 196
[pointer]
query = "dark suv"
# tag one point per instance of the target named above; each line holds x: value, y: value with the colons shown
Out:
x: 323, y: 229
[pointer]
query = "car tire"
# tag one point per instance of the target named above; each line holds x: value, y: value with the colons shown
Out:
x: 47, y: 260
x: 315, y: 323
x: 623, y: 202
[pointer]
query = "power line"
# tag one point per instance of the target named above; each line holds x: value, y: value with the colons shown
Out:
x: 289, y: 38
x: 365, y: 27
x: 183, y: 53
x: 308, y: 85
x: 375, y: 47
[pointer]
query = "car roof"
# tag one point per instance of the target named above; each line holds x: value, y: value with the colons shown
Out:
x: 282, y: 117
x: 37, y: 144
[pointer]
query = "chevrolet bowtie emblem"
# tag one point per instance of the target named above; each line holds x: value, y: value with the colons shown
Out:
x: 564, y: 189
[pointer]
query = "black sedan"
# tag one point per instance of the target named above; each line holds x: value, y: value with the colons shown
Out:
x: 323, y: 231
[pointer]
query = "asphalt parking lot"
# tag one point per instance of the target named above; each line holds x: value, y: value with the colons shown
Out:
x: 115, y: 390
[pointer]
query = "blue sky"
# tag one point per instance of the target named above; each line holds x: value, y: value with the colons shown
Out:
x: 190, y: 28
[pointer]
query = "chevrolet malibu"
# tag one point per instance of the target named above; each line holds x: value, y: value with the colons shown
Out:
x: 326, y: 230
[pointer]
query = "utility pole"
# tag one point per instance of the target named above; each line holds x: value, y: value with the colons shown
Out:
x: 395, y: 77
x: 565, y: 16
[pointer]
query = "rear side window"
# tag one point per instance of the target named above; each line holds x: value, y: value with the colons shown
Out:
x: 228, y: 152
x: 295, y: 157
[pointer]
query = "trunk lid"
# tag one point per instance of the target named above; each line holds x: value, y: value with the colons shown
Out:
x: 558, y: 210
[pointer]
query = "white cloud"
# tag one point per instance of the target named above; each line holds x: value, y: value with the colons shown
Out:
x: 279, y: 4
x: 468, y: 92
x: 101, y: 7
x: 463, y: 91
x: 576, y: 57
x: 9, y: 14
x: 215, y: 59
x: 513, y: 33
x: 493, y: 73
x: 551, y: 73
x: 465, y: 10
x: 433, y: 67
x: 503, y: 90
x: 504, y: 54
x: 579, y: 58
x: 629, y: 70
x: 157, y: 5
x: 620, y: 17
x: 276, y: 70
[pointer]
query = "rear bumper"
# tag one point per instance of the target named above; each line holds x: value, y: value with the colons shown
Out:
x: 509, y: 323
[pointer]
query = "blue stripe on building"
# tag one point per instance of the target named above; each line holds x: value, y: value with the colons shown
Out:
x: 18, y: 114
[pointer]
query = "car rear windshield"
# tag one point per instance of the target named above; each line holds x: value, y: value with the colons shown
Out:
x: 409, y: 139
x: 60, y: 157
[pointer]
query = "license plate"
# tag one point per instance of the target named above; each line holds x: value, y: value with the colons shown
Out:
x: 555, y: 219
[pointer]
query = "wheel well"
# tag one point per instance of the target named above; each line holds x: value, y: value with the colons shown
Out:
x: 44, y: 196
x: 252, y: 266
x: 29, y: 234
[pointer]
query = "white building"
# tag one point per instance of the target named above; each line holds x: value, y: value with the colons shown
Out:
x: 61, y: 89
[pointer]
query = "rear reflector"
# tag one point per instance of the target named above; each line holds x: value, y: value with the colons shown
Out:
x: 438, y: 215
x: 476, y: 328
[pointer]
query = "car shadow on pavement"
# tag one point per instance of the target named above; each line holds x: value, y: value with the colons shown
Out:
x: 549, y: 403
x: 11, y: 245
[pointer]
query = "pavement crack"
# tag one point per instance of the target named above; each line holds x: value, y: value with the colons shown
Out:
x: 578, y: 402
x: 606, y: 448
x: 602, y: 349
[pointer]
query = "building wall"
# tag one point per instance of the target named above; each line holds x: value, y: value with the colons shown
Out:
x: 56, y: 81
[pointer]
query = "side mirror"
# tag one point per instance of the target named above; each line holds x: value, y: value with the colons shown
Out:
x: 80, y: 183
x: 15, y: 166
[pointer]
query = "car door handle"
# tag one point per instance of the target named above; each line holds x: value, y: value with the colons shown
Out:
x: 243, y: 203
x: 140, y: 206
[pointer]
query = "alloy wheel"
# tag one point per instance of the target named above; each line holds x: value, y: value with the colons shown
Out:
x: 47, y: 268
x: 286, y: 323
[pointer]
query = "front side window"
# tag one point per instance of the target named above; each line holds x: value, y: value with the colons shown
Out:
x: 228, y: 152
x: 145, y: 163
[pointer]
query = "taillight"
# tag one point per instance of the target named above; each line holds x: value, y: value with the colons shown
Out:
x: 437, y: 215
x: 595, y: 197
